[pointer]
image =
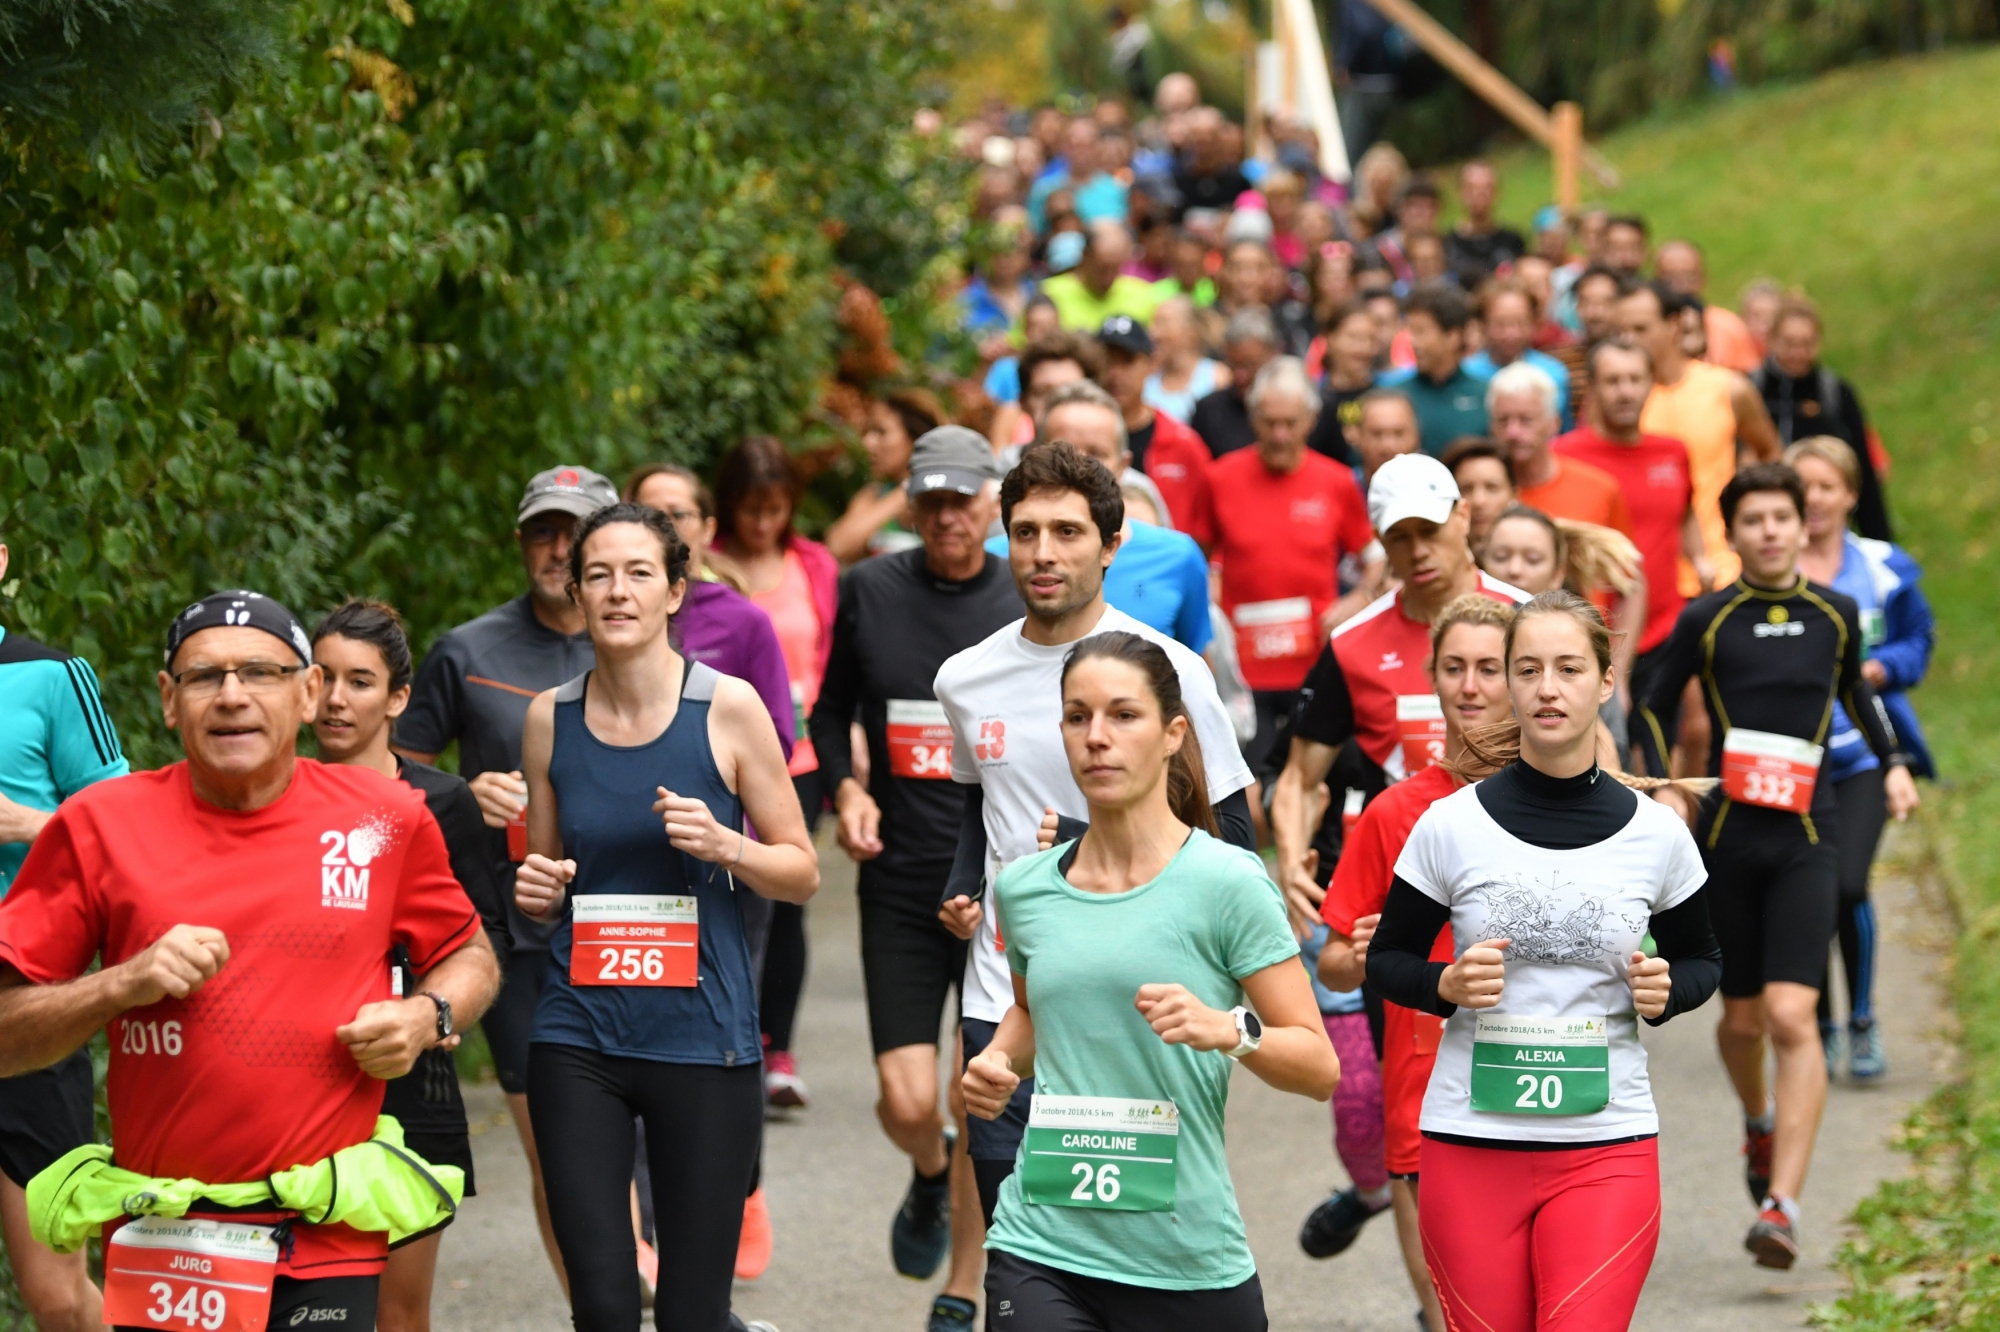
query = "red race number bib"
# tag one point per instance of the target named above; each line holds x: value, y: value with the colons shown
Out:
x: 630, y: 939
x: 919, y: 739
x: 1273, y: 630
x: 1420, y: 723
x: 189, y: 1275
x: 1775, y: 771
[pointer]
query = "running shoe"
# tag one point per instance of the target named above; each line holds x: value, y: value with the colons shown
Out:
x: 1772, y: 1239
x: 783, y: 1087
x: 949, y: 1313
x: 1866, y: 1061
x: 753, y: 1247
x: 920, y: 1236
x: 649, y: 1273
x: 1335, y: 1224
x: 1757, y: 1163
x: 1829, y: 1040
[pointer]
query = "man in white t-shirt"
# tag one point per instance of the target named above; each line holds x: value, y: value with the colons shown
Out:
x: 1062, y: 512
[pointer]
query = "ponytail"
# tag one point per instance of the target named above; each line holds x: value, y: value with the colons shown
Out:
x: 1595, y: 557
x: 1589, y: 557
x: 1187, y: 777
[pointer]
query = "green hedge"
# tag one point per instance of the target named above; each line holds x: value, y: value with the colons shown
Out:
x: 317, y: 345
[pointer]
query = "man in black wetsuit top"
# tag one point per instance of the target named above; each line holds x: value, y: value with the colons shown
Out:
x: 1773, y: 653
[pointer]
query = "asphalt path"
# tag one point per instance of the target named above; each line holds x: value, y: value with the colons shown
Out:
x: 834, y: 1181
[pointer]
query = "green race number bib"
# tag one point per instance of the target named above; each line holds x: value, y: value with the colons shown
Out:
x: 1874, y: 628
x: 1101, y: 1151
x: 1540, y: 1066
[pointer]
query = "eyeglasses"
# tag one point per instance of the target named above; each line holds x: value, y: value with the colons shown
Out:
x: 259, y: 677
x: 546, y: 531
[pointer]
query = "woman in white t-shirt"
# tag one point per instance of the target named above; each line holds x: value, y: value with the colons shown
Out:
x: 1541, y: 1193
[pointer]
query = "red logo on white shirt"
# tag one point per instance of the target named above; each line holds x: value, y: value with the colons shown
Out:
x: 992, y: 741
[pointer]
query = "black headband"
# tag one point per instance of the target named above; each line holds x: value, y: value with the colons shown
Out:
x: 251, y: 610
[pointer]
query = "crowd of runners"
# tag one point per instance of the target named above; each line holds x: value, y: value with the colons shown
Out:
x: 1403, y: 659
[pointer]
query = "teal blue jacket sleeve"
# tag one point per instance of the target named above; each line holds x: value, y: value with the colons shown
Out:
x: 83, y: 744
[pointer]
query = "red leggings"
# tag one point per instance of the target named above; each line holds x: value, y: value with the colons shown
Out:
x: 1539, y: 1241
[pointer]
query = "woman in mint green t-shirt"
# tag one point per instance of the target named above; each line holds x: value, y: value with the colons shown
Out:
x: 1134, y: 952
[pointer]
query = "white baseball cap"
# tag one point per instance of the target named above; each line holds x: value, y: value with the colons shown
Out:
x: 1410, y: 485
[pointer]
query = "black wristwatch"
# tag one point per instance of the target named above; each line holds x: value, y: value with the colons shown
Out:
x: 444, y: 1013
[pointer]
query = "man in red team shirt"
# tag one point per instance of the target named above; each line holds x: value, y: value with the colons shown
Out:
x: 1280, y: 518
x: 245, y: 904
x: 1369, y: 684
x: 1652, y: 471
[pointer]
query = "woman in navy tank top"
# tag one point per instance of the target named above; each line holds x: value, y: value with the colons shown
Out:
x: 641, y: 773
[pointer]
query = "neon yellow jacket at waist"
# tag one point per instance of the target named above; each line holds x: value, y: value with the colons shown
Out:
x: 375, y: 1185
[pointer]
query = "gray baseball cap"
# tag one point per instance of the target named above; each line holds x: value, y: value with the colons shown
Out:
x: 566, y: 489
x: 951, y: 457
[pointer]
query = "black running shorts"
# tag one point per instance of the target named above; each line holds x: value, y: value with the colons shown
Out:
x: 45, y: 1115
x: 1027, y: 1296
x: 1773, y: 896
x: 909, y: 960
x: 426, y: 1101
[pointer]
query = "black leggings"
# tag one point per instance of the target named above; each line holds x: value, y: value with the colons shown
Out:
x: 1034, y: 1297
x: 1863, y: 812
x: 703, y: 1126
x: 784, y: 977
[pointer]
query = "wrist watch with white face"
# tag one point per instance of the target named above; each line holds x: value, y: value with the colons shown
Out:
x: 1249, y: 1033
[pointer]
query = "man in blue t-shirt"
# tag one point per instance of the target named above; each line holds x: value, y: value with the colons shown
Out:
x: 1159, y: 576
x: 55, y: 739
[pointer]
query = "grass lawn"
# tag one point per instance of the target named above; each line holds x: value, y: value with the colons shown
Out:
x: 1877, y: 191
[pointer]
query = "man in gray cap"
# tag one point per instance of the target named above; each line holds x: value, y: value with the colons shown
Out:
x: 900, y: 616
x: 474, y: 687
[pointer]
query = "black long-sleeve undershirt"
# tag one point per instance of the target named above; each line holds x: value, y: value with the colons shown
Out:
x: 1770, y: 659
x: 1400, y: 969
x: 1559, y: 813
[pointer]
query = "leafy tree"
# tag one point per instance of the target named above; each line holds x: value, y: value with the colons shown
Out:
x: 320, y: 348
x: 137, y: 69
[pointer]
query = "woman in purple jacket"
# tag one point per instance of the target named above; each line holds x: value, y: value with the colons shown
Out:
x: 717, y: 624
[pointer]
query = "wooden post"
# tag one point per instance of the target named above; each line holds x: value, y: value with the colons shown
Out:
x: 1566, y: 120
x: 1288, y: 57
x: 1253, y: 119
x: 1464, y: 63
